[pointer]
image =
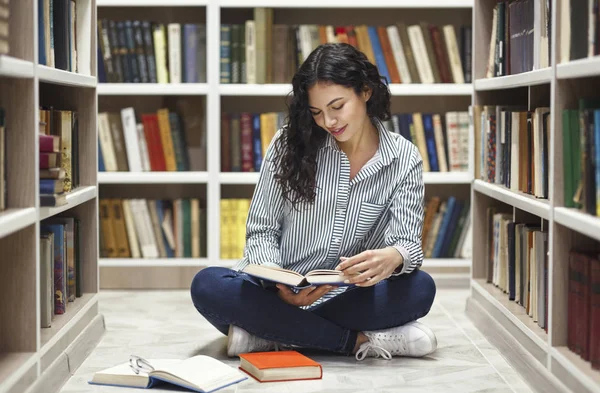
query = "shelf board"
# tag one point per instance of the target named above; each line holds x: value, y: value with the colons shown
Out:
x: 347, y: 4
x: 581, y: 370
x: 439, y: 89
x: 152, y: 3
x: 15, y: 68
x: 151, y: 262
x: 446, y: 262
x: 238, y: 177
x: 152, y: 177
x: 152, y: 89
x: 447, y: 177
x: 61, y: 77
x: 579, y: 68
x: 74, y: 198
x: 13, y: 365
x: 578, y: 221
x: 536, y: 77
x: 531, y: 204
x: 512, y: 311
x: 63, y: 324
x: 13, y: 220
x: 428, y: 178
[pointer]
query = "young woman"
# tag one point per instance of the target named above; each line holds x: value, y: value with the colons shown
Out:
x: 336, y: 191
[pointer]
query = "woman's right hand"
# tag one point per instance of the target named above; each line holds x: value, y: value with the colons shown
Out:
x: 304, y: 297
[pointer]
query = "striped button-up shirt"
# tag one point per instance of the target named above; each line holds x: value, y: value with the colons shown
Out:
x: 381, y: 206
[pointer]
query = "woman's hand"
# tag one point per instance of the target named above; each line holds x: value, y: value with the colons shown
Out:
x: 305, y: 297
x: 371, y: 266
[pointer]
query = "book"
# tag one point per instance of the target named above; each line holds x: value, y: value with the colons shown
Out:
x: 199, y: 374
x: 295, y: 279
x: 280, y: 366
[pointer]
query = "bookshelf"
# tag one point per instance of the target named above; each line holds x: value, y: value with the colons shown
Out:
x: 210, y: 183
x: 35, y: 359
x: 541, y: 355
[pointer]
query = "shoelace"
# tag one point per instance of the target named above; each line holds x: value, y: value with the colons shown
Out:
x: 396, y: 344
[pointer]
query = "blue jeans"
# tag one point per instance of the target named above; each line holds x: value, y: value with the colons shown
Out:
x: 226, y: 297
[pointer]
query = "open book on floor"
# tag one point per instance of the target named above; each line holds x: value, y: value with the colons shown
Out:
x: 199, y: 374
x: 294, y: 279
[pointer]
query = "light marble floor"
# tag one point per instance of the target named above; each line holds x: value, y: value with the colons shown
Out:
x: 164, y: 324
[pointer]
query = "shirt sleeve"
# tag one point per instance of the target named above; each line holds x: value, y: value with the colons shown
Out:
x: 265, y: 218
x: 406, y: 221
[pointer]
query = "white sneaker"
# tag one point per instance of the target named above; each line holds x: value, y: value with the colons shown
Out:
x: 240, y: 341
x: 413, y: 339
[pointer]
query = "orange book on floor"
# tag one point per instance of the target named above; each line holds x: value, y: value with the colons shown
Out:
x: 279, y: 366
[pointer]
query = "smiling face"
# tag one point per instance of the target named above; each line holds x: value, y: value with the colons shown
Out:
x: 339, y: 110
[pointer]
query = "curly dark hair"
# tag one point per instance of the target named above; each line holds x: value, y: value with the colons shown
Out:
x: 296, y: 150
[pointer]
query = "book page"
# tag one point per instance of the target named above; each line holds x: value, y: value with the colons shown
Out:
x: 125, y: 376
x: 202, y: 372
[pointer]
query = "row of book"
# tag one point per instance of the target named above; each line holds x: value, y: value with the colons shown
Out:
x: 442, y: 139
x: 581, y: 156
x: 142, y: 51
x: 4, y: 27
x: 60, y: 266
x: 57, y: 34
x: 517, y: 262
x: 148, y: 228
x: 148, y: 142
x: 579, y: 29
x: 520, y: 37
x: 446, y: 228
x: 583, y: 325
x: 59, y: 154
x: 513, y: 147
x: 259, y: 51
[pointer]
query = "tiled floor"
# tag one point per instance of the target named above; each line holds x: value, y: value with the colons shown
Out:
x: 165, y: 325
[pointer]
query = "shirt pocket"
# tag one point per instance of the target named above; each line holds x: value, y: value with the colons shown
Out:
x: 367, y: 217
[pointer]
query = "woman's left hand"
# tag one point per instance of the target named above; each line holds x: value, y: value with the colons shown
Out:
x: 373, y: 266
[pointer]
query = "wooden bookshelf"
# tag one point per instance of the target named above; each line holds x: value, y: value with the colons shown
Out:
x: 214, y: 97
x: 543, y: 358
x: 32, y: 358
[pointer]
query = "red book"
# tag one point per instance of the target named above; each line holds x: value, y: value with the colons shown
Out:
x: 247, y: 142
x: 595, y: 314
x: 280, y: 366
x: 155, y: 150
x: 49, y: 160
x: 49, y: 143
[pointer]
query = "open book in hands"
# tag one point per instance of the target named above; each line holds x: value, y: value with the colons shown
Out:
x: 199, y: 373
x: 297, y: 280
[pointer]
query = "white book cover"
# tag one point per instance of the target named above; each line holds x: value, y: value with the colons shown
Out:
x: 417, y: 42
x: 174, y: 36
x: 143, y: 148
x: 106, y: 143
x: 453, y: 54
x: 399, y: 56
x: 130, y: 134
x: 132, y: 236
x: 250, y: 52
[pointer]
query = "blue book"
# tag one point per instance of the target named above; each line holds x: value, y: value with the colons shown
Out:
x: 430, y: 142
x: 60, y: 270
x: 190, y: 51
x: 439, y: 241
x: 199, y: 373
x: 257, y: 142
x: 378, y: 52
x: 41, y: 34
x: 101, y: 167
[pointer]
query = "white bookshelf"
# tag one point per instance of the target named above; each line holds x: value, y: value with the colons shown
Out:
x: 549, y: 365
x: 34, y: 359
x: 153, y: 89
x: 416, y: 89
x: 213, y: 184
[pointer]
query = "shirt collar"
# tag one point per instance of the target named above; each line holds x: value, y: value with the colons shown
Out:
x: 387, y: 144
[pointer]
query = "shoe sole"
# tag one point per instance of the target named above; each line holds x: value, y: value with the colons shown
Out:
x: 427, y: 330
x: 232, y: 342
